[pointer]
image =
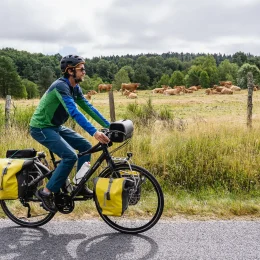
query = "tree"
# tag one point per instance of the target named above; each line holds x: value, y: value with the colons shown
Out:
x: 28, y: 72
x: 242, y: 75
x: 125, y: 62
x: 103, y: 70
x: 141, y: 76
x: 113, y: 69
x: 239, y: 58
x: 10, y: 82
x: 142, y: 60
x: 164, y: 80
x: 96, y: 80
x: 31, y: 89
x: 193, y: 76
x: 90, y: 67
x: 130, y: 71
x: 177, y: 79
x: 172, y: 64
x: 204, y: 79
x: 19, y: 91
x: 208, y: 64
x: 46, y: 77
x: 120, y: 77
x: 227, y: 71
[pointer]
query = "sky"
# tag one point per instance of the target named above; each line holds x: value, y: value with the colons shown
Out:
x: 118, y: 27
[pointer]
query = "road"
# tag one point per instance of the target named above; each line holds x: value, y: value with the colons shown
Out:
x: 93, y: 239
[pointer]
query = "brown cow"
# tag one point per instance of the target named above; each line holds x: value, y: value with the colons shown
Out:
x: 225, y: 83
x: 106, y: 87
x: 129, y: 94
x: 235, y: 88
x: 92, y: 92
x: 158, y: 90
x: 227, y: 91
x: 194, y: 88
x: 88, y: 96
x: 129, y: 86
x: 175, y: 91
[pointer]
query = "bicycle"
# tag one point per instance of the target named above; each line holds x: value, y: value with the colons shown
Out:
x: 146, y: 200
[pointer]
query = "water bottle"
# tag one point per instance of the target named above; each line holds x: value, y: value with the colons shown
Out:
x: 79, y: 175
x: 68, y: 185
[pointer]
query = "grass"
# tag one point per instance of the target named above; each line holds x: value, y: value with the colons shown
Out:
x: 197, y: 146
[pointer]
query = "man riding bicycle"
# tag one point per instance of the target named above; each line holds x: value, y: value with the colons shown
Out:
x: 46, y: 126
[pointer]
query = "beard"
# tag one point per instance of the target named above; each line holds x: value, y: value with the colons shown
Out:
x: 78, y: 80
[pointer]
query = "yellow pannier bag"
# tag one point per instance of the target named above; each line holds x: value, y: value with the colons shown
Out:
x: 111, y: 195
x: 9, y: 170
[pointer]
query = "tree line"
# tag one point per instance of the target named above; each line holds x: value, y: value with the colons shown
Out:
x: 28, y: 75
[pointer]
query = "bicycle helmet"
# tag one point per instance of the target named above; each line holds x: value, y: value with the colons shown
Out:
x: 70, y: 61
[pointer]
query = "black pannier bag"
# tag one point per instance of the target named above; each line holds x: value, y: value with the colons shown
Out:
x: 25, y: 153
x: 121, y: 130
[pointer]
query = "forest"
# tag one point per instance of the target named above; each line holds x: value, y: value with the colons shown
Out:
x: 28, y: 75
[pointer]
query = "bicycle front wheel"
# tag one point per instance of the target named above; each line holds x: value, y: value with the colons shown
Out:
x: 145, y: 204
x: 27, y: 212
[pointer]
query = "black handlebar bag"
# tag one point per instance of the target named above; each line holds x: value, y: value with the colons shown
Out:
x: 121, y: 130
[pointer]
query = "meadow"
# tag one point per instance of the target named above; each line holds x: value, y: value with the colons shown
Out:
x: 198, y: 146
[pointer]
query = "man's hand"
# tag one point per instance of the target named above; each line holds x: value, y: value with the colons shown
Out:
x: 101, y: 137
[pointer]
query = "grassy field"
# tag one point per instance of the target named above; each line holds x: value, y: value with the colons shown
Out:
x: 203, y: 154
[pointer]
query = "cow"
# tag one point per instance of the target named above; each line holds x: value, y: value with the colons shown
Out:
x: 208, y: 91
x: 226, y: 84
x: 219, y: 88
x: 175, y: 91
x: 129, y: 86
x: 88, y: 96
x: 227, y: 91
x: 235, y: 88
x: 165, y: 87
x: 193, y: 88
x: 158, y: 90
x: 92, y: 92
x: 129, y: 94
x: 106, y: 87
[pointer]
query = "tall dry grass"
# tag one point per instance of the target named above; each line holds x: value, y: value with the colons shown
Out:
x: 197, y: 146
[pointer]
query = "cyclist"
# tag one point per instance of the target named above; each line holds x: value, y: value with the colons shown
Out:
x: 46, y: 126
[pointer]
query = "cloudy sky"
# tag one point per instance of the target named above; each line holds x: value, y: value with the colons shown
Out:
x: 118, y: 27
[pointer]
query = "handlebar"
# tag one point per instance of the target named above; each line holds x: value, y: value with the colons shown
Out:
x: 109, y: 132
x: 96, y: 148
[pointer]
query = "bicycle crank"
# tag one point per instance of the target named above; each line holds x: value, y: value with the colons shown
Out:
x: 64, y: 203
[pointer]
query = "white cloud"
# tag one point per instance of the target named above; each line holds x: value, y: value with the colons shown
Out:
x: 119, y: 27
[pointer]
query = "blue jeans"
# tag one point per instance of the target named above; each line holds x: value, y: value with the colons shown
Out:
x: 62, y: 141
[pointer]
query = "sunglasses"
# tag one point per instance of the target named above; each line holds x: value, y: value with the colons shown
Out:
x: 81, y: 69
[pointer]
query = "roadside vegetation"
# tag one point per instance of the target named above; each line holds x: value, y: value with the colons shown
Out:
x: 197, y: 146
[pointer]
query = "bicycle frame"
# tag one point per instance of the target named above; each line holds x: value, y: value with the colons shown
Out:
x: 105, y: 156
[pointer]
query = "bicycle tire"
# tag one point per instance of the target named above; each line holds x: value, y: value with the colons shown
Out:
x: 148, y: 208
x: 17, y: 212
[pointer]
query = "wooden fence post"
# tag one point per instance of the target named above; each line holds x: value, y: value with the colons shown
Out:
x: 7, y: 110
x: 112, y: 106
x: 250, y: 86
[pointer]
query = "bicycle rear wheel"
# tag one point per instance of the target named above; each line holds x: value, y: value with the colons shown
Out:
x: 18, y: 210
x: 18, y: 213
x: 145, y: 204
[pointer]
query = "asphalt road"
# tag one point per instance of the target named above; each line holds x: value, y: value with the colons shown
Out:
x: 95, y: 240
